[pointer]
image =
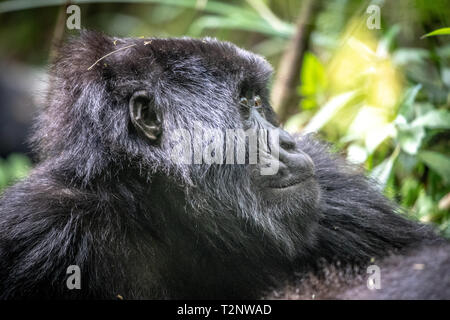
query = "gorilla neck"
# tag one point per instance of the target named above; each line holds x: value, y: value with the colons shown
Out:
x: 357, y: 223
x: 358, y: 234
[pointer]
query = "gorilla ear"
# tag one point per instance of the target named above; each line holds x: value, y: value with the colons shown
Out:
x: 144, y: 115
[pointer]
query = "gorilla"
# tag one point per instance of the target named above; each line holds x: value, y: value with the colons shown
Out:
x: 109, y: 197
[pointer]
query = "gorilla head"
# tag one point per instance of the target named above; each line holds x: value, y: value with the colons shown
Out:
x: 144, y: 184
x: 132, y: 108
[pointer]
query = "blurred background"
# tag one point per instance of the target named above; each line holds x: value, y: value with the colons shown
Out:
x: 371, y: 77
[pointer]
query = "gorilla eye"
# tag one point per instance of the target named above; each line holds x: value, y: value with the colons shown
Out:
x: 244, y: 102
x: 257, y: 101
x: 244, y: 107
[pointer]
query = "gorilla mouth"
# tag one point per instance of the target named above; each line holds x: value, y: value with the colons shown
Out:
x: 291, y: 182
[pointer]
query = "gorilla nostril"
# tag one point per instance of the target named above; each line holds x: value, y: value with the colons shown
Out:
x: 287, y: 145
x: 298, y: 163
x: 287, y: 142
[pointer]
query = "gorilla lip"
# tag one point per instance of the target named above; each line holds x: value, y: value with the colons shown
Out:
x: 291, y: 182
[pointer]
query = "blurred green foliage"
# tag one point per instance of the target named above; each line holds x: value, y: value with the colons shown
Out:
x: 15, y: 167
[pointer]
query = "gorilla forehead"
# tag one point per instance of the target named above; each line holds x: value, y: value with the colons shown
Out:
x: 187, y: 59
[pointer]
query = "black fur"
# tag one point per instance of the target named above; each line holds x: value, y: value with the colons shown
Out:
x: 142, y: 226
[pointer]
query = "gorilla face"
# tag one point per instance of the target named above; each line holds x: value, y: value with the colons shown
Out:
x: 218, y: 108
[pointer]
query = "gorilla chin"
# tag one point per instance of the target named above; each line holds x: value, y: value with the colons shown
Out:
x: 294, y: 190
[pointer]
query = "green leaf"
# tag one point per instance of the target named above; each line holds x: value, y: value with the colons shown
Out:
x: 438, y: 162
x: 237, y: 21
x: 372, y: 141
x: 409, y: 137
x: 404, y: 56
x: 228, y: 15
x: 4, y: 177
x: 19, y: 166
x: 425, y: 206
x: 438, y: 32
x: 211, y: 6
x: 313, y: 80
x: 410, y: 140
x: 409, y: 190
x: 16, y: 166
x: 313, y: 77
x: 386, y: 42
x: 382, y: 172
x: 164, y: 14
x: 435, y: 119
x: 407, y: 105
x: 356, y: 153
x: 327, y: 112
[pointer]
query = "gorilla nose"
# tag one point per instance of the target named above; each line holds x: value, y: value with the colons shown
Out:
x: 295, y: 165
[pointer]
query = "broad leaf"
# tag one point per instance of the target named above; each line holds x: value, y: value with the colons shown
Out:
x: 382, y: 172
x: 435, y: 119
x: 438, y: 162
x: 407, y: 105
x: 410, y: 138
x: 327, y: 112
